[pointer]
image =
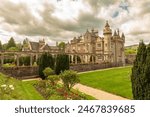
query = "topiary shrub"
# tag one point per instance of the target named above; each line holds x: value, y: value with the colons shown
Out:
x: 62, y: 63
x: 48, y: 71
x: 69, y: 79
x: 138, y: 78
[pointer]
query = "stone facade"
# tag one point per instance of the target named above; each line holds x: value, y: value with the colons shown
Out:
x: 109, y: 48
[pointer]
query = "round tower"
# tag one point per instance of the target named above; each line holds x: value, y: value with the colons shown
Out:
x: 107, y: 32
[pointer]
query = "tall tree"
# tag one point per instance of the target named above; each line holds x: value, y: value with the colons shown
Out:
x: 62, y: 63
x: 1, y: 46
x: 137, y: 77
x: 11, y: 43
x: 46, y: 60
x: 146, y: 81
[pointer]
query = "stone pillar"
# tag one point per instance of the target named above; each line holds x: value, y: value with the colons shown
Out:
x: 36, y: 57
x: 31, y: 59
x: 2, y: 59
x: 17, y: 60
x: 76, y: 59
x: 71, y: 57
x: 92, y: 59
x: 81, y: 57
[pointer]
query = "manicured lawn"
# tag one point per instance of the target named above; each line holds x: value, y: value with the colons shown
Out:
x: 116, y: 81
x: 25, y: 90
x: 22, y: 90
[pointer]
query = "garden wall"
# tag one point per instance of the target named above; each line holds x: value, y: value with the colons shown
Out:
x: 20, y: 72
x: 27, y: 72
x: 89, y: 67
x: 130, y: 58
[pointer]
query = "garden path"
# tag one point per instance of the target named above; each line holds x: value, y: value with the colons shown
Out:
x: 97, y: 93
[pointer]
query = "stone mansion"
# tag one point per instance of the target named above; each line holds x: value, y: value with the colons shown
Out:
x: 109, y: 48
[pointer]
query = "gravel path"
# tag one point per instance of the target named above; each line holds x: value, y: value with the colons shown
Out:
x: 98, y: 94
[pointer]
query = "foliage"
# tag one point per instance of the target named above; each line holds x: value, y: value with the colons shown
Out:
x: 53, y: 79
x: 24, y: 60
x: 137, y: 77
x: 13, y: 49
x: 69, y: 78
x: 48, y: 71
x: 46, y: 60
x: 11, y: 43
x: 62, y: 63
x: 22, y: 90
x: 1, y: 47
x: 130, y: 51
x: 140, y: 73
x: 9, y: 60
x: 8, y: 65
x: 62, y: 46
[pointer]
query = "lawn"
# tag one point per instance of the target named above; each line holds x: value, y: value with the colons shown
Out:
x: 116, y: 81
x: 26, y: 90
x: 22, y: 90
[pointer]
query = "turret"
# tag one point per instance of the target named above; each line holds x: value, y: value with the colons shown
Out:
x: 123, y: 37
x: 107, y: 29
x: 107, y: 32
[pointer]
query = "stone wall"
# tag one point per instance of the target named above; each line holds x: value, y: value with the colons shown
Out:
x: 27, y: 72
x: 89, y: 67
x: 130, y: 58
x: 20, y: 72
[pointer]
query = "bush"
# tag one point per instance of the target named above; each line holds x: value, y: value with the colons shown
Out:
x: 69, y: 78
x: 53, y: 79
x: 46, y: 60
x: 24, y: 60
x: 62, y: 63
x: 48, y: 71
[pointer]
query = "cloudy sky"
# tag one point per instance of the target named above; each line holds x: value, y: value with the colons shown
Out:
x: 61, y: 20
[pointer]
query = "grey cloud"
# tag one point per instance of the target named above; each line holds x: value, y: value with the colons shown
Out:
x: 96, y: 4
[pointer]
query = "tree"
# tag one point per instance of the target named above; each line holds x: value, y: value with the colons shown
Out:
x: 11, y: 43
x: 62, y: 46
x: 46, y: 60
x: 1, y: 47
x: 137, y: 76
x: 62, y: 63
x: 69, y: 79
x: 146, y: 81
x: 13, y: 49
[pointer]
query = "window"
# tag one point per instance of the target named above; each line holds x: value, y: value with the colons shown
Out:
x: 99, y: 45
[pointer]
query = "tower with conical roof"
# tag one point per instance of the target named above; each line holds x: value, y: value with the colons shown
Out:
x: 107, y: 32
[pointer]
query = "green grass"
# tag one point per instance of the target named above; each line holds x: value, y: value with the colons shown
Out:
x: 116, y: 81
x: 23, y: 90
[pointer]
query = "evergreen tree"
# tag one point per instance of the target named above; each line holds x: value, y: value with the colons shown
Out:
x: 1, y: 47
x: 46, y: 60
x: 146, y: 81
x: 137, y: 77
x: 11, y: 43
x: 62, y: 63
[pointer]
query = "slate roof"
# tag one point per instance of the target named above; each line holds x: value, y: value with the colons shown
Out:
x: 34, y: 45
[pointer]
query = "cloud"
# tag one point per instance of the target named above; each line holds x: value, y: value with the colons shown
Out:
x: 61, y: 21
